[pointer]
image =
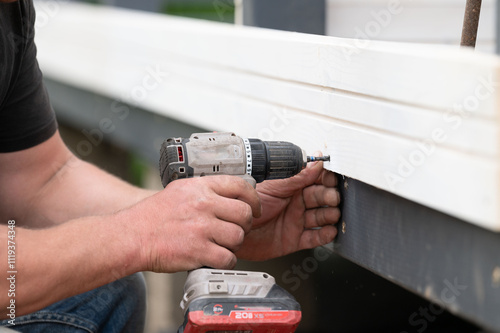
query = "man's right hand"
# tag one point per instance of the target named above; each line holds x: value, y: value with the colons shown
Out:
x: 194, y: 222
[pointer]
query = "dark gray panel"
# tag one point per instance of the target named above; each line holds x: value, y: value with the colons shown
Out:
x: 101, y: 118
x: 306, y: 16
x: 439, y: 257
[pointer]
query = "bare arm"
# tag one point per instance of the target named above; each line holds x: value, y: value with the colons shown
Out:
x: 97, y: 228
x: 66, y: 260
x: 47, y: 185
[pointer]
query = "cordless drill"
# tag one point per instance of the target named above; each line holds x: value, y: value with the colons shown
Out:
x: 205, y: 154
x: 218, y: 301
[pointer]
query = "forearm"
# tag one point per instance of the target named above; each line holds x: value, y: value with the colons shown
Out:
x: 47, y: 185
x: 80, y: 189
x: 69, y: 259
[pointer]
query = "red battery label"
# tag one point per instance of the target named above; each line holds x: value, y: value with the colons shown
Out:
x: 244, y: 322
x: 262, y: 315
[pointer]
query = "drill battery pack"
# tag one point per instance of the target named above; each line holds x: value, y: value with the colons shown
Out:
x: 220, y: 301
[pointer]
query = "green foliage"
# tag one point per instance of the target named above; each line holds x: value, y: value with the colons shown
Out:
x: 213, y: 10
x: 137, y: 170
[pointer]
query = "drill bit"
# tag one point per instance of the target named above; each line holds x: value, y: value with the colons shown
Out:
x: 318, y: 158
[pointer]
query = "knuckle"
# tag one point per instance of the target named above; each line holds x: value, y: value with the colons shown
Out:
x: 241, y: 210
x: 245, y: 217
x: 329, y: 215
x: 238, y: 181
x: 230, y: 181
x: 339, y: 198
x: 246, y: 212
x: 329, y: 179
x: 332, y: 196
x: 201, y: 203
x: 244, y: 186
x: 334, y: 214
x: 235, y: 238
x: 198, y: 226
x: 310, y: 216
x: 239, y: 236
x: 323, y: 215
x: 227, y: 260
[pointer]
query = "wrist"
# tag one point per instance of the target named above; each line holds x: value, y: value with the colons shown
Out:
x: 126, y: 225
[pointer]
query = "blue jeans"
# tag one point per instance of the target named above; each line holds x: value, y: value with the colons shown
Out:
x: 119, y: 306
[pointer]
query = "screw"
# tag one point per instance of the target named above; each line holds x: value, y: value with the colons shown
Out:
x: 318, y: 158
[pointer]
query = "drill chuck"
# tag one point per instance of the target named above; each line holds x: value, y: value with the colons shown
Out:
x: 275, y: 159
x: 206, y: 154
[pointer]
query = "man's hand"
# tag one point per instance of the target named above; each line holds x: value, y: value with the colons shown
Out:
x: 297, y: 213
x: 195, y: 222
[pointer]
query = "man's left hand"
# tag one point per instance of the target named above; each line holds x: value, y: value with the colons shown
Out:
x: 297, y: 213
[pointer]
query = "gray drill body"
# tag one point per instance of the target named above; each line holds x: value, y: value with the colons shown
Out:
x: 205, y: 154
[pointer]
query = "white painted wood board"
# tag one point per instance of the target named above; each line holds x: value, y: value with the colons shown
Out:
x: 419, y: 121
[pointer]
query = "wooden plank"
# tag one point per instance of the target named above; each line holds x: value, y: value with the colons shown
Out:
x: 418, y: 121
x: 474, y: 135
x: 435, y: 77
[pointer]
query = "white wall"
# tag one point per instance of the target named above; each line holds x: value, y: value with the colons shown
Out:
x: 421, y: 21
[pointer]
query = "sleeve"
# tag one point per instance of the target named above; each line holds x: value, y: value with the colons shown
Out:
x: 27, y: 116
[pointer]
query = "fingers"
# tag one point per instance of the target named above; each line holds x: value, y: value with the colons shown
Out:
x: 217, y: 257
x: 328, y: 178
x: 234, y: 205
x: 317, y: 237
x: 235, y: 211
x: 228, y: 235
x: 237, y: 188
x: 321, y: 216
x: 218, y: 251
x: 315, y: 174
x: 207, y: 244
x: 321, y: 219
x: 319, y: 195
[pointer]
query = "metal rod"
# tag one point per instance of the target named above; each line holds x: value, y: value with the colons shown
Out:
x: 497, y: 17
x: 471, y: 22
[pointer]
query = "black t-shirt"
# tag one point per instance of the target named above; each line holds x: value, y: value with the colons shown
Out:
x: 26, y: 116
